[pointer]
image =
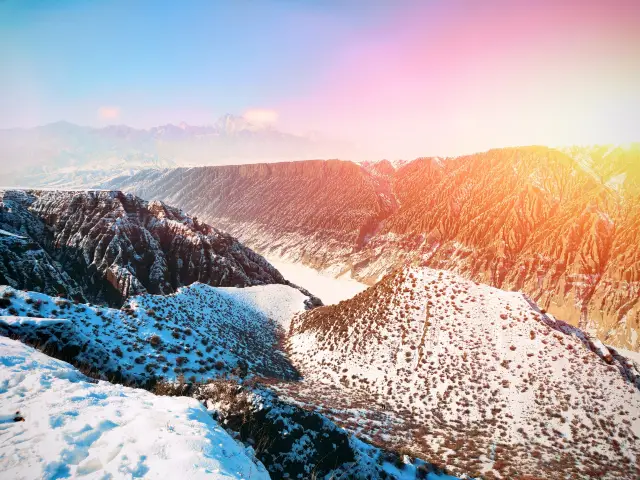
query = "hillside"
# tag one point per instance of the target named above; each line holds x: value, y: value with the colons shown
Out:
x: 560, y: 226
x: 316, y: 211
x: 469, y: 376
x: 106, y: 246
x: 200, y: 331
x: 219, y: 345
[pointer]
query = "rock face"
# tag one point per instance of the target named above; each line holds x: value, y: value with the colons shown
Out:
x: 561, y: 226
x: 24, y: 264
x: 472, y: 376
x: 318, y: 210
x: 114, y: 246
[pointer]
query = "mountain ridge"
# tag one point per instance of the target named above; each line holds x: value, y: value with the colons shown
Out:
x: 530, y: 219
x: 113, y: 245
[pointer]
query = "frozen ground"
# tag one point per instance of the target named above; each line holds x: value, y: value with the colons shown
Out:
x: 635, y: 356
x: 56, y: 423
x: 329, y: 289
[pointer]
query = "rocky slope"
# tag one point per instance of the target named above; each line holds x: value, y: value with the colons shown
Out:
x: 561, y: 226
x: 296, y: 442
x: 24, y: 263
x: 469, y: 376
x: 317, y: 210
x: 114, y: 246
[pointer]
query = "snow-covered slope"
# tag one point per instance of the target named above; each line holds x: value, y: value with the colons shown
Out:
x: 200, y: 331
x: 470, y: 376
x: 57, y: 423
x: 277, y: 302
x: 323, y: 284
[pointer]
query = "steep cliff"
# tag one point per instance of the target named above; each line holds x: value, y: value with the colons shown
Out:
x: 114, y: 246
x: 316, y: 211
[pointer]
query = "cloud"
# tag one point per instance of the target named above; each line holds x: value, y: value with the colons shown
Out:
x: 108, y: 113
x: 261, y: 116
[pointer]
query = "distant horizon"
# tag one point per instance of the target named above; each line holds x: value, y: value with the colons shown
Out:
x: 326, y: 158
x: 440, y: 155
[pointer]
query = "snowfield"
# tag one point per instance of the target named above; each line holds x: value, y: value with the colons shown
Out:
x: 74, y: 427
x: 279, y: 303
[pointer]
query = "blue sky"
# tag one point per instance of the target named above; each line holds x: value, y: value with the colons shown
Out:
x: 196, y: 58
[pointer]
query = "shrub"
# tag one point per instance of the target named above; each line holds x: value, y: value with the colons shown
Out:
x: 181, y: 360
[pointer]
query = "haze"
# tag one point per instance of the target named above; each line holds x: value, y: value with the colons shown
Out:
x: 390, y: 79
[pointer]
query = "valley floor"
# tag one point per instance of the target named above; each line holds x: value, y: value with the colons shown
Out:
x: 325, y: 285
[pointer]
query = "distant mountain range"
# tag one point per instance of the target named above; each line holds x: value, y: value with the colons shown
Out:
x: 64, y: 154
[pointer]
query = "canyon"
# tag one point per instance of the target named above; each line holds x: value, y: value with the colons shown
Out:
x: 560, y: 225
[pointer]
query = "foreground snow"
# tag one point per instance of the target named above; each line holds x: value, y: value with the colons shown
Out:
x: 73, y: 427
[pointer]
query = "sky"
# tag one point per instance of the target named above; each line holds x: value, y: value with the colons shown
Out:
x: 394, y: 79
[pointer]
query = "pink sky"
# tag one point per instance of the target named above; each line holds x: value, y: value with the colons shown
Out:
x: 470, y: 77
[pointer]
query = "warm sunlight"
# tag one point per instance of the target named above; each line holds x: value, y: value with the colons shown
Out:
x: 320, y: 239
